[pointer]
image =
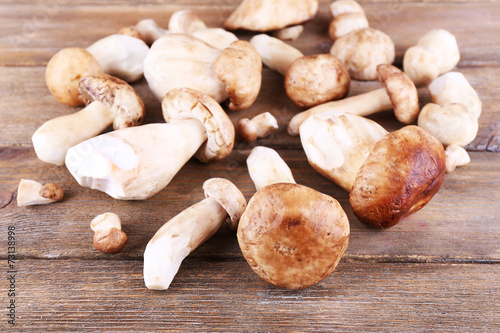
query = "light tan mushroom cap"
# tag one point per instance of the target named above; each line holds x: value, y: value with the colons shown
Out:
x: 185, y: 22
x: 316, y: 79
x: 443, y: 45
x: 185, y: 103
x: 239, y: 66
x: 293, y: 236
x: 362, y: 51
x: 228, y: 196
x: 64, y: 71
x: 117, y: 95
x: 265, y: 15
x: 420, y: 65
x: 401, y: 91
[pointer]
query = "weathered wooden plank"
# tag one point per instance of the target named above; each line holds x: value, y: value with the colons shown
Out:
x: 109, y: 295
x: 459, y: 224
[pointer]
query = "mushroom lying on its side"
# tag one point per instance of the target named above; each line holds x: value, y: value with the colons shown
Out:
x: 30, y: 192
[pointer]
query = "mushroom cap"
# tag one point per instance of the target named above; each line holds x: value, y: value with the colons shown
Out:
x: 404, y: 170
x: 420, y: 65
x: 455, y: 156
x: 362, y: 51
x: 131, y: 31
x: 450, y: 124
x: 401, y: 91
x: 185, y: 22
x: 443, y: 45
x: 293, y: 236
x: 239, y: 66
x: 316, y: 79
x: 185, y: 103
x: 265, y: 15
x: 117, y: 95
x: 228, y: 196
x: 346, y: 23
x: 340, y: 7
x: 64, y: 71
x: 246, y: 130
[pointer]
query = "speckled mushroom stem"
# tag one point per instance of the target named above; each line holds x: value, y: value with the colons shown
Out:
x: 360, y: 105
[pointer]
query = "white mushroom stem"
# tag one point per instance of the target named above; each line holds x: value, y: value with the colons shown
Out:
x: 106, y: 221
x: 455, y: 156
x: 289, y: 33
x: 150, y: 31
x: 31, y: 193
x: 266, y: 167
x: 177, y: 239
x: 275, y: 53
x: 53, y: 139
x: 360, y: 105
x: 259, y: 126
x: 137, y: 162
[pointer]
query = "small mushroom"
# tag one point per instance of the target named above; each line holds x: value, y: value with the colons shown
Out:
x: 348, y: 16
x: 435, y: 53
x: 136, y: 163
x: 121, y: 56
x: 267, y: 15
x: 150, y: 30
x: 30, y: 192
x: 185, y: 232
x: 109, y: 101
x: 291, y: 235
x: 259, y: 126
x: 131, y: 31
x: 337, y: 144
x: 289, y: 33
x: 402, y: 173
x: 455, y: 156
x: 275, y: 53
x: 453, y: 87
x: 266, y: 167
x: 362, y: 51
x: 399, y: 94
x: 64, y: 71
x: 108, y: 237
x: 450, y: 124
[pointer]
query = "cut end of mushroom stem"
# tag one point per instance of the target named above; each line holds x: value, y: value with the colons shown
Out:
x: 31, y: 193
x: 266, y: 167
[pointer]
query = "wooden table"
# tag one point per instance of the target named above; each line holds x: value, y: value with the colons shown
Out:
x: 437, y: 270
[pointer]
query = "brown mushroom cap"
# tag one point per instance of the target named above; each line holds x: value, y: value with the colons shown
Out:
x: 402, y: 173
x: 64, y: 71
x: 228, y: 196
x: 316, y: 79
x: 293, y: 236
x: 185, y: 103
x: 239, y: 66
x: 362, y: 51
x: 117, y: 95
x: 401, y: 91
x: 265, y: 15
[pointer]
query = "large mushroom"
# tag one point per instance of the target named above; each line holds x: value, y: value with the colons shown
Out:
x: 109, y: 101
x: 291, y: 235
x: 136, y: 163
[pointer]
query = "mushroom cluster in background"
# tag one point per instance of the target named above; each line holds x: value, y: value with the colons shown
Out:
x: 291, y: 235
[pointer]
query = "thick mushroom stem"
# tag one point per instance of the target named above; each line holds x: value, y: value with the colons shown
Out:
x: 266, y: 167
x: 53, y: 139
x: 360, y: 105
x: 150, y: 30
x: 275, y: 53
x: 177, y: 238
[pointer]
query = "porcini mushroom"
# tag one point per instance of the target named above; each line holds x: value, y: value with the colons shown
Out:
x: 109, y: 101
x: 185, y: 232
x: 64, y: 71
x: 136, y: 163
x: 362, y: 51
x: 403, y: 171
x: 348, y: 16
x: 435, y: 53
x: 131, y: 31
x: 399, y: 94
x: 265, y: 15
x: 289, y: 33
x: 259, y: 126
x: 30, y: 192
x: 121, y: 56
x: 291, y: 235
x: 455, y: 156
x: 266, y: 167
x: 108, y: 237
x: 150, y: 30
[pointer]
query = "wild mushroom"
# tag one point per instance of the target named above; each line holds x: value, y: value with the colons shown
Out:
x: 150, y: 30
x: 435, y: 53
x: 108, y: 237
x: 131, y: 31
x: 259, y: 126
x: 64, y: 71
x: 399, y: 94
x: 30, y: 192
x: 136, y: 163
x: 453, y: 87
x: 121, y: 56
x: 455, y: 156
x: 266, y: 167
x: 261, y: 15
x: 291, y: 235
x: 185, y: 232
x: 289, y: 33
x: 337, y: 144
x: 109, y: 101
x: 348, y: 16
x: 275, y: 53
x: 362, y: 51
x: 450, y: 124
x: 403, y: 171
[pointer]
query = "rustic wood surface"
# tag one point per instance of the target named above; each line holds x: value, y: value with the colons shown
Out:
x: 437, y: 270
